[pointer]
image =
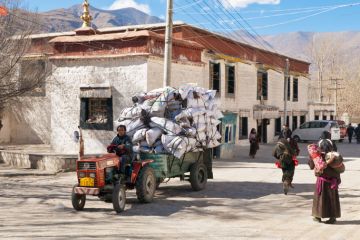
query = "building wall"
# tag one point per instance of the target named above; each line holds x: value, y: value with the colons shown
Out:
x: 182, y: 73
x: 27, y: 121
x: 126, y: 75
x: 5, y: 131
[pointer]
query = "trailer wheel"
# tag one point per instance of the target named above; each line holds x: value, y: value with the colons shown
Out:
x: 119, y: 198
x: 78, y: 200
x: 146, y: 185
x: 198, y: 176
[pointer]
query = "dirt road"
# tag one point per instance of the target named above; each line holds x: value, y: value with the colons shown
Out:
x: 244, y: 201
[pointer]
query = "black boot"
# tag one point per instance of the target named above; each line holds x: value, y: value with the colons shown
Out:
x: 331, y: 221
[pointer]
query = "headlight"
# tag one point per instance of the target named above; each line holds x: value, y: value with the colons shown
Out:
x: 92, y: 175
x: 81, y: 174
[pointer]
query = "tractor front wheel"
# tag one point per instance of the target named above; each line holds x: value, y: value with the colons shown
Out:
x: 119, y: 198
x: 146, y: 185
x: 78, y: 200
x: 198, y: 176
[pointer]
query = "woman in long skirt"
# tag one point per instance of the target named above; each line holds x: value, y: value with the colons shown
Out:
x: 254, y: 143
x: 326, y: 203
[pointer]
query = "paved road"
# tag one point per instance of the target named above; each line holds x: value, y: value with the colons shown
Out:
x: 244, y: 201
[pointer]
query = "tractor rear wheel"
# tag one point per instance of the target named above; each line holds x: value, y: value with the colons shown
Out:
x: 198, y: 176
x: 119, y: 198
x: 78, y: 200
x: 146, y: 185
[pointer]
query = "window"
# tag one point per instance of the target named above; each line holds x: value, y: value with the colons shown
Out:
x: 331, y: 117
x: 32, y: 77
x: 287, y: 120
x: 277, y: 126
x: 243, y: 128
x: 262, y: 85
x: 305, y: 125
x: 324, y: 117
x: 228, y: 133
x: 288, y: 89
x: 295, y: 89
x: 294, y: 122
x: 316, y: 117
x: 302, y: 119
x: 230, y: 79
x: 96, y: 113
x: 215, y: 83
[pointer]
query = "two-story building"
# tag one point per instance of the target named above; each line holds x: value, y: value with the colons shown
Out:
x: 96, y: 72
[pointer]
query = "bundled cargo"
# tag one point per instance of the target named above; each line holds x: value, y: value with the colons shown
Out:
x: 173, y: 121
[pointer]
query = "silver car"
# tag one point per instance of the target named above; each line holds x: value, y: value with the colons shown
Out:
x: 312, y: 130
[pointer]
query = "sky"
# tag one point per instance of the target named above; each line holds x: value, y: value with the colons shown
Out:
x: 258, y: 16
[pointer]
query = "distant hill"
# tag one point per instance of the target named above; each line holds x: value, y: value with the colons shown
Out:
x: 61, y: 20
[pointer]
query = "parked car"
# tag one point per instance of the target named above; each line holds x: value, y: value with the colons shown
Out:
x: 343, y: 129
x: 312, y: 130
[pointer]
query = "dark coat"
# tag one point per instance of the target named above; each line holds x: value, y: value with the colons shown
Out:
x: 285, y: 133
x: 124, y: 140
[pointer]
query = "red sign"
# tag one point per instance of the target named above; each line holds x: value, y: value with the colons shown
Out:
x: 3, y: 11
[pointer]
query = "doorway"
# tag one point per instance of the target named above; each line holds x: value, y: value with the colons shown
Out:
x: 262, y: 129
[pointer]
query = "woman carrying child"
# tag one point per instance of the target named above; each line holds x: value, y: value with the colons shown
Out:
x: 326, y: 203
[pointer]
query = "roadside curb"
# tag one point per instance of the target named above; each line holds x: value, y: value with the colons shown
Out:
x: 20, y: 174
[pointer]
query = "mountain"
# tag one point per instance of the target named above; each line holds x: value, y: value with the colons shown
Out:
x: 62, y: 20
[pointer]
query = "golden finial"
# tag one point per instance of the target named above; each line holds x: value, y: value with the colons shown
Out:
x: 86, y: 15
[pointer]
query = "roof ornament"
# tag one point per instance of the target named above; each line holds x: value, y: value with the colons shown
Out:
x: 86, y: 15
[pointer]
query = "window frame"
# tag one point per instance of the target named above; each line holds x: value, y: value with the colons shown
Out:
x: 262, y: 85
x: 295, y: 89
x: 227, y: 80
x: 212, y: 74
x: 84, y: 115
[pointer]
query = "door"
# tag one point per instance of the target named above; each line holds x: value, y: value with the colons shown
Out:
x: 262, y: 129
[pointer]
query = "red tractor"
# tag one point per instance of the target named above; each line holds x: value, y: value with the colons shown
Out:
x: 100, y: 176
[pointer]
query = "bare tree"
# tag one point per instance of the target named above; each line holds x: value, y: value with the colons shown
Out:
x: 324, y: 54
x: 18, y: 76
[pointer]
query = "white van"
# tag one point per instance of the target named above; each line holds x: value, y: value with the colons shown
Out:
x: 312, y: 130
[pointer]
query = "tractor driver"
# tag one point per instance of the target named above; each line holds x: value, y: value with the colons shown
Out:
x: 122, y: 145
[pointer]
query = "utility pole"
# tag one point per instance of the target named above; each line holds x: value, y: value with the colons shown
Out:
x: 168, y: 44
x: 336, y: 88
x: 287, y: 66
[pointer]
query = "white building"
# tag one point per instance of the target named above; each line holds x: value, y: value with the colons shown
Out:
x: 94, y: 76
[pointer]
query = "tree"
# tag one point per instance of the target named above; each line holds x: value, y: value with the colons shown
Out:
x: 18, y: 76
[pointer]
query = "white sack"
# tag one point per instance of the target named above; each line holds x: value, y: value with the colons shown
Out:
x: 165, y: 124
x: 139, y: 135
x: 152, y: 135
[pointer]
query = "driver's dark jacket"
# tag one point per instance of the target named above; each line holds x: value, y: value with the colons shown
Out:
x: 123, y: 140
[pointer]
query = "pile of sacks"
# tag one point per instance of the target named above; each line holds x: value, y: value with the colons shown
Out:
x: 173, y: 121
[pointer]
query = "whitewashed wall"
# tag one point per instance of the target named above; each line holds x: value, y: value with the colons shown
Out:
x: 181, y: 73
x: 27, y: 121
x: 6, y: 129
x: 127, y: 76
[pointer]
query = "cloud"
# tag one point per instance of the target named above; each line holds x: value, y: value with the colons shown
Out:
x: 245, y: 3
x: 118, y: 4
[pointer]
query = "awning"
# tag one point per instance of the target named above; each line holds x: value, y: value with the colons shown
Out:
x: 95, y: 91
x: 265, y: 111
x: 299, y: 112
x: 244, y: 112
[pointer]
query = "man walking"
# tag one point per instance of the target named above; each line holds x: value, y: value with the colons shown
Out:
x: 285, y: 132
x: 350, y: 132
x: 357, y: 132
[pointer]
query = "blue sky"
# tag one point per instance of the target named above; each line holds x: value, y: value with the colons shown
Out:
x: 262, y: 16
